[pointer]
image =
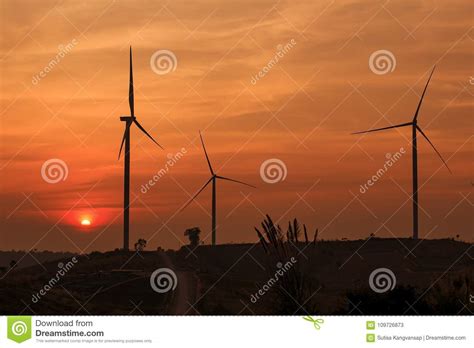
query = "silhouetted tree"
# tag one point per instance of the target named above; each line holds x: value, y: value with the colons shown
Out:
x: 140, y: 245
x: 193, y: 235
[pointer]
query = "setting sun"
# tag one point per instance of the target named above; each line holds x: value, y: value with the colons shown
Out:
x: 85, y: 222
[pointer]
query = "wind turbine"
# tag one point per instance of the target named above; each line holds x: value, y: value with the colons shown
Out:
x: 415, y: 128
x: 129, y: 121
x: 212, y: 179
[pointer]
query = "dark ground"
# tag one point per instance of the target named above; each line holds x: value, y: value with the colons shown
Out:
x: 329, y: 277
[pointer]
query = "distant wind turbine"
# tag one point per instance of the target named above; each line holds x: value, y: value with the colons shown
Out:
x: 212, y: 179
x: 129, y: 120
x: 415, y: 128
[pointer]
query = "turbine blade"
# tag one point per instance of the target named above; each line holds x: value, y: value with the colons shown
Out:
x: 384, y: 128
x: 237, y: 181
x: 434, y: 148
x: 423, y: 95
x: 146, y: 133
x: 195, y: 195
x: 205, y: 152
x: 123, y: 140
x: 131, y: 101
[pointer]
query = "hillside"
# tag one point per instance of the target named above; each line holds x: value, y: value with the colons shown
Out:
x: 329, y: 277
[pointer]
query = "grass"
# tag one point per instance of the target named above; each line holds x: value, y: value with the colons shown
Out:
x: 294, y: 288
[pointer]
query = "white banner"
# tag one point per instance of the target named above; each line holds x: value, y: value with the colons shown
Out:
x: 236, y: 331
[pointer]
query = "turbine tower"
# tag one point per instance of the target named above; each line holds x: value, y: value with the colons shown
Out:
x: 415, y: 128
x: 212, y: 179
x: 129, y: 121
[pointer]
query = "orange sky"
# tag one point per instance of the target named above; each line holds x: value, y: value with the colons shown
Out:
x: 300, y: 112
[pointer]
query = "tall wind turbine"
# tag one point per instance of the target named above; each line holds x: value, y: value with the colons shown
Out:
x: 129, y: 121
x: 212, y: 179
x: 415, y: 128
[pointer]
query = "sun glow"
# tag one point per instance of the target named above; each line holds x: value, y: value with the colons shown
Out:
x: 85, y: 222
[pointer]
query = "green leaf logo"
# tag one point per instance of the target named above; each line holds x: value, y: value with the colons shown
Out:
x: 19, y: 328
